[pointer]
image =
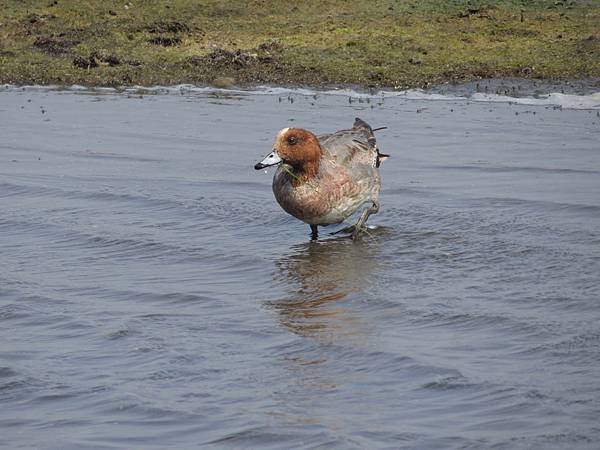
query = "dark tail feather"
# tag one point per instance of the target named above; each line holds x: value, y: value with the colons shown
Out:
x: 380, y: 158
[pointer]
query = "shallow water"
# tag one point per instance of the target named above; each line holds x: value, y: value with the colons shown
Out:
x: 153, y: 294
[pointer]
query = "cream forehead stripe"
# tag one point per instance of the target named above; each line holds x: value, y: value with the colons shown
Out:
x: 280, y: 134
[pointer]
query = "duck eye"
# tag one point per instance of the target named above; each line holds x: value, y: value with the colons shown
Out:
x: 292, y: 140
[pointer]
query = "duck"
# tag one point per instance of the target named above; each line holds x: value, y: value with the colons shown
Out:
x: 322, y: 180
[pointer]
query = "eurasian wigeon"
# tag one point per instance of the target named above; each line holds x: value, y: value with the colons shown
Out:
x: 323, y: 180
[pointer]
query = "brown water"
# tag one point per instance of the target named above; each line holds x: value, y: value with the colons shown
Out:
x: 154, y: 295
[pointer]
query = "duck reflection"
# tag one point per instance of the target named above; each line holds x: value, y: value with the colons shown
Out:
x: 320, y: 275
x: 324, y: 282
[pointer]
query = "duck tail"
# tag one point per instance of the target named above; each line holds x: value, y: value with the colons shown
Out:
x: 361, y: 124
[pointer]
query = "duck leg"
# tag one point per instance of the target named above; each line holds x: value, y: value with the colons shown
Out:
x: 314, y: 232
x: 360, y: 223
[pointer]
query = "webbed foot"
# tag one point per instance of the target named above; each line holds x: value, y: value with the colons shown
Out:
x: 347, y: 230
x: 360, y: 224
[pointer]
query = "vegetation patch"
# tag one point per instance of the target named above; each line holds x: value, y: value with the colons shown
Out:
x: 165, y: 41
x: 96, y: 60
x: 54, y: 46
x: 168, y: 27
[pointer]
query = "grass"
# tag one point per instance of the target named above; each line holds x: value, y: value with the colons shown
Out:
x: 392, y: 43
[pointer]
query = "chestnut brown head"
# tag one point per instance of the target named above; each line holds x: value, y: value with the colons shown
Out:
x: 297, y: 148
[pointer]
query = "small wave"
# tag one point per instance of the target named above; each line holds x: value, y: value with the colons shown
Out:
x: 447, y: 383
x: 541, y: 205
x: 504, y: 169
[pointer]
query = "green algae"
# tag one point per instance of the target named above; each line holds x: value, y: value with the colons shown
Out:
x: 376, y: 43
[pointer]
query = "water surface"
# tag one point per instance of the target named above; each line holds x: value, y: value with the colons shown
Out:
x: 154, y: 295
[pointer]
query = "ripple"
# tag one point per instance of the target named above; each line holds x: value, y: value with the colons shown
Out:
x: 153, y: 293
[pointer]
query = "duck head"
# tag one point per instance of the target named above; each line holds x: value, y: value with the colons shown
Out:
x: 296, y: 148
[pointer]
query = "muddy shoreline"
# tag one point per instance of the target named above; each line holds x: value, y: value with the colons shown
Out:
x: 373, y: 45
x: 497, y: 89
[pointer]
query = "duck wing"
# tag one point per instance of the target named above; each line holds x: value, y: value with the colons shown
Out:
x: 353, y: 147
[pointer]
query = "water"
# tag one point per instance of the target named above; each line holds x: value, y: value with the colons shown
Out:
x: 154, y: 295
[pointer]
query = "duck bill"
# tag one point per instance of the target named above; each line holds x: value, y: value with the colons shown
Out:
x: 271, y: 159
